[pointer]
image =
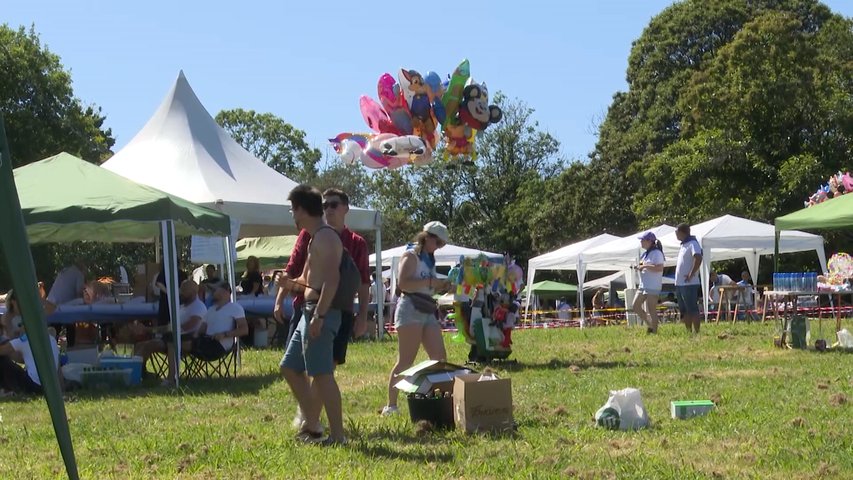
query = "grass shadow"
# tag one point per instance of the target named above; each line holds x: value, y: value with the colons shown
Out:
x: 381, y: 451
x: 555, y: 364
x: 236, y: 387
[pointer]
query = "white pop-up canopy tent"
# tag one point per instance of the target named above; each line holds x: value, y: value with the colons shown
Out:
x: 446, y: 256
x: 729, y: 237
x: 623, y: 253
x: 567, y: 258
x: 184, y: 152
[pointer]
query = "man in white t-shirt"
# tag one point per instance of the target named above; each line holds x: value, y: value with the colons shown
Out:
x: 687, y: 277
x: 718, y: 280
x: 190, y: 314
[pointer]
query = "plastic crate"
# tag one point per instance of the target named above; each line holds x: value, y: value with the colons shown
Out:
x: 100, y: 378
x: 133, y: 363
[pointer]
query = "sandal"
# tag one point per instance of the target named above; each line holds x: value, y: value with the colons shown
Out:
x: 332, y: 442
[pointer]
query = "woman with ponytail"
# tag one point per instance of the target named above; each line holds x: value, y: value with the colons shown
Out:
x: 651, y: 281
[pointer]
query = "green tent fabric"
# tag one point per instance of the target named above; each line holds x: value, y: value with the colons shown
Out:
x: 548, y: 288
x: 273, y: 252
x: 833, y: 213
x: 64, y: 198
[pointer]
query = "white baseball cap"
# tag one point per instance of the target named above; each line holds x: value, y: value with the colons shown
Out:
x: 438, y: 229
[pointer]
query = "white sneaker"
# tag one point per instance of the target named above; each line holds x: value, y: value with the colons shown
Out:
x: 389, y: 410
x: 298, y: 419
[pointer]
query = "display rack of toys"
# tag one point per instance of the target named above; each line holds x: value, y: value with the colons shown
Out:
x: 486, y: 307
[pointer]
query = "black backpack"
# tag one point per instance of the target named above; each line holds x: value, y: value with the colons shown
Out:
x: 344, y: 298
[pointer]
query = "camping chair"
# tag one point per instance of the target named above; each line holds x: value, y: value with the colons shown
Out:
x: 195, y: 367
x: 224, y: 367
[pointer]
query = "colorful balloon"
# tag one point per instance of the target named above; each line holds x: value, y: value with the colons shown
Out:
x: 392, y: 101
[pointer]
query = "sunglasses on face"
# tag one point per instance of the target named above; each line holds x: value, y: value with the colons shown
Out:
x: 333, y: 204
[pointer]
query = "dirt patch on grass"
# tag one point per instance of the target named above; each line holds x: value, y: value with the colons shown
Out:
x: 838, y: 399
x: 798, y: 422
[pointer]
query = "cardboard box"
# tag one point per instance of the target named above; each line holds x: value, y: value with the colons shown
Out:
x: 479, y: 406
x: 428, y: 376
x: 684, y: 409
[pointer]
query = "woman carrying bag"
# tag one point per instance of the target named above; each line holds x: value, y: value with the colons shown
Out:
x: 415, y: 318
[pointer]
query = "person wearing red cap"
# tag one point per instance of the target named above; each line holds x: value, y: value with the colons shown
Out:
x: 651, y: 281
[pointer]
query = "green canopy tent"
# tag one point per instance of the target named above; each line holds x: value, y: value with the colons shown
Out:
x: 65, y: 199
x: 272, y: 252
x: 833, y: 213
x: 551, y: 289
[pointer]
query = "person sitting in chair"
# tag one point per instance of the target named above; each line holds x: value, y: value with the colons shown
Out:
x: 223, y: 321
x: 13, y: 377
x: 190, y: 314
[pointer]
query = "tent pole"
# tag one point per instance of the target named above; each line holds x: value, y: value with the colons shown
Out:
x: 170, y: 264
x: 380, y: 287
x: 775, y: 252
x: 13, y: 237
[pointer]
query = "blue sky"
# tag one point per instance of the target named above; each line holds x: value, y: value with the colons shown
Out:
x: 308, y: 62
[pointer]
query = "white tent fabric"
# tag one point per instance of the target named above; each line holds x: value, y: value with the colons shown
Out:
x: 622, y: 253
x: 183, y: 151
x: 615, y: 277
x: 567, y: 258
x: 446, y: 256
x: 729, y: 237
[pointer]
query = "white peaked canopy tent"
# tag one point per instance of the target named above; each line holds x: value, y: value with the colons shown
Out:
x: 567, y: 258
x: 447, y: 256
x: 729, y: 237
x: 184, y: 152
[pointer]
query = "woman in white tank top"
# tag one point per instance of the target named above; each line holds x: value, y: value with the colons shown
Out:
x: 417, y: 278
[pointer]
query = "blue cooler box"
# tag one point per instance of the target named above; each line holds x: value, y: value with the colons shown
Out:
x: 133, y: 363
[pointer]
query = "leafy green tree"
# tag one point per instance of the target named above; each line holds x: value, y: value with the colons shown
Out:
x: 268, y: 137
x: 43, y: 117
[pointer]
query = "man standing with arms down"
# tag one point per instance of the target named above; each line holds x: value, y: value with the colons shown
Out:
x: 308, y: 361
x: 687, y: 277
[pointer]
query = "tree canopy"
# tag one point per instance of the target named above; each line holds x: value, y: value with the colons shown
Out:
x: 43, y: 117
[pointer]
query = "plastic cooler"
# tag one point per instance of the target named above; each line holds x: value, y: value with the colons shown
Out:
x: 132, y: 363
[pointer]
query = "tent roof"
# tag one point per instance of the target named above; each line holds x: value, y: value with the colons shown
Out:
x: 64, y: 199
x: 447, y: 255
x: 549, y: 287
x: 566, y: 258
x: 833, y: 213
x: 622, y: 252
x: 183, y: 151
x: 273, y: 252
x: 733, y: 237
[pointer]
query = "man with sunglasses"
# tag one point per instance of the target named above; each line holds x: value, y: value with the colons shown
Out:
x: 335, y: 208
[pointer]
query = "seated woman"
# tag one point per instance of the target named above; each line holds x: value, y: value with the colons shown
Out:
x: 13, y: 377
x: 190, y: 314
x: 252, y: 282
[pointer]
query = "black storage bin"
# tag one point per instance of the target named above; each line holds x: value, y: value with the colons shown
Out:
x: 437, y: 411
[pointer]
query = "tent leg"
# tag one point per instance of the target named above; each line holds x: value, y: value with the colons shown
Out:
x: 380, y: 288
x: 170, y: 264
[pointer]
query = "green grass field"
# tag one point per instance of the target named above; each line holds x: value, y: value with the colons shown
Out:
x: 781, y: 414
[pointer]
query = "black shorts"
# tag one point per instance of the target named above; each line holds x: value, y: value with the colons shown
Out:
x: 169, y: 338
x: 339, y: 346
x: 208, y: 349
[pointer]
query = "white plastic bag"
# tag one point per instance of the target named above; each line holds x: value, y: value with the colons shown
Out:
x: 624, y: 410
x: 845, y: 338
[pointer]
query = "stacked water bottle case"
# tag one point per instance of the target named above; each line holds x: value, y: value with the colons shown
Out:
x: 795, y: 282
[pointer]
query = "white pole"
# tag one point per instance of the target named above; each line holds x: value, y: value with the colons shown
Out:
x: 380, y: 287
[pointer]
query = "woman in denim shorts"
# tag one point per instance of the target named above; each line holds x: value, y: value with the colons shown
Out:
x: 415, y: 327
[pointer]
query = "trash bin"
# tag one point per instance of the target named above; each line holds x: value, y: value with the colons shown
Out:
x: 799, y: 332
x: 436, y: 410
